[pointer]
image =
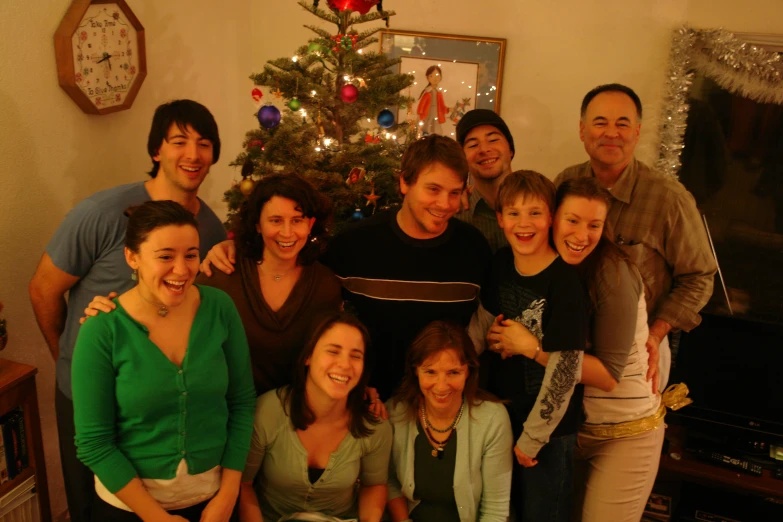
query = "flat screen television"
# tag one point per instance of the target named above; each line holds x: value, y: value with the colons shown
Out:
x: 734, y: 370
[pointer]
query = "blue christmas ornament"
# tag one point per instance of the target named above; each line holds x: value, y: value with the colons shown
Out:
x: 386, y: 118
x: 357, y: 215
x: 268, y: 116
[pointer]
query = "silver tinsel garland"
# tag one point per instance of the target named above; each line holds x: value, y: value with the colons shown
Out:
x: 739, y: 67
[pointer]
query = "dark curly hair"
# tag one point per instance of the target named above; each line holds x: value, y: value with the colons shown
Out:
x: 291, y: 186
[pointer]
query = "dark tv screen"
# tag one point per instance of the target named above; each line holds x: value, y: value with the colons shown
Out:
x: 734, y: 370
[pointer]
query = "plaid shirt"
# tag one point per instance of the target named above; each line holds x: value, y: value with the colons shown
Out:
x: 655, y: 220
x: 481, y: 216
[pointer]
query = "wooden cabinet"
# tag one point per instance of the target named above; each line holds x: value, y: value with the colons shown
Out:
x: 17, y: 388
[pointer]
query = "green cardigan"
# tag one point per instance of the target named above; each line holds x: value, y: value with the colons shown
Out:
x: 138, y: 414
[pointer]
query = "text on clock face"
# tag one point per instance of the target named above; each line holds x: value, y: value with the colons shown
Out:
x: 105, y: 52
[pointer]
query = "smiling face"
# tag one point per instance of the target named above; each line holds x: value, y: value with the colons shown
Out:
x: 167, y: 262
x: 430, y: 201
x: 337, y: 362
x: 284, y: 229
x: 579, y: 223
x: 488, y: 152
x: 525, y: 224
x: 185, y: 158
x: 610, y: 130
x: 442, y: 378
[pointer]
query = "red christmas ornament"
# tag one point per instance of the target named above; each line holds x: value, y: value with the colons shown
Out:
x: 256, y: 94
x: 349, y: 93
x: 354, y: 5
x: 256, y: 144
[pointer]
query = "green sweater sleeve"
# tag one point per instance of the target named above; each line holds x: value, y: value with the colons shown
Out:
x: 94, y: 404
x: 241, y: 394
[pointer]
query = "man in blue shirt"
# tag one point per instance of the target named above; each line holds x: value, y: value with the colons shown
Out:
x: 85, y: 257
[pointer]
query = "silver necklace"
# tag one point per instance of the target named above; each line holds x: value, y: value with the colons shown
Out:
x: 453, y: 424
x: 276, y: 277
x: 163, y: 311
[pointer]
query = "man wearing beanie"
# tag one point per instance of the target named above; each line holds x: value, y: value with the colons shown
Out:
x: 489, y: 148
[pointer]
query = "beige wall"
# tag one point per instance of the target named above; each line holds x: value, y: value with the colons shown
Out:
x: 53, y: 155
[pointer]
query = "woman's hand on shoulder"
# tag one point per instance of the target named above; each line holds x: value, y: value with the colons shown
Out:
x: 375, y: 404
x: 99, y: 304
x: 222, y: 256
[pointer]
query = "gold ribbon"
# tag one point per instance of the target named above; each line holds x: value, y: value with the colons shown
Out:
x: 674, y: 398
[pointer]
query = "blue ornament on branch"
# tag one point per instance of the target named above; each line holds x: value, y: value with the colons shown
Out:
x: 357, y: 215
x: 386, y: 118
x: 268, y: 116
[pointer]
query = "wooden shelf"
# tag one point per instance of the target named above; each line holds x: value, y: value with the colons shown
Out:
x: 17, y: 480
x: 697, y: 470
x: 17, y: 388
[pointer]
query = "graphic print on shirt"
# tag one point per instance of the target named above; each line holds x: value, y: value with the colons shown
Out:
x: 527, y: 307
x: 531, y: 318
x: 563, y: 381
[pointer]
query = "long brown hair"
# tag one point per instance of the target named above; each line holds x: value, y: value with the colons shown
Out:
x: 433, y: 339
x: 606, y: 250
x: 294, y: 397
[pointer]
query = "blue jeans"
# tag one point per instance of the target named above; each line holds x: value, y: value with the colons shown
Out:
x: 544, y: 493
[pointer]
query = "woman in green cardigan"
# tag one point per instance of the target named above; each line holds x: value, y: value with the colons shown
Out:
x: 163, y: 391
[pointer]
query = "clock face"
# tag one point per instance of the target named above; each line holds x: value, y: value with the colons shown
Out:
x: 105, y: 55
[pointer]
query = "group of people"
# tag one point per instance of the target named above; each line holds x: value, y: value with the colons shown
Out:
x: 503, y: 365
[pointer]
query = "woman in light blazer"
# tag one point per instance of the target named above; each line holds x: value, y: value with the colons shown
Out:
x: 444, y: 426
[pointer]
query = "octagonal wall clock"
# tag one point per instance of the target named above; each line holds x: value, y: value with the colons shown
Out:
x: 101, y: 55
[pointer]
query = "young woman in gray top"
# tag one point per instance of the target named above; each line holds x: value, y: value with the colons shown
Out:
x: 313, y: 439
x: 452, y: 449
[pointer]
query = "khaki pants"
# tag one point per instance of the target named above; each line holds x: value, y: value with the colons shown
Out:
x: 614, y: 478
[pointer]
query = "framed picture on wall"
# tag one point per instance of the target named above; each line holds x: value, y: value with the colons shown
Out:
x: 455, y: 83
x: 452, y: 75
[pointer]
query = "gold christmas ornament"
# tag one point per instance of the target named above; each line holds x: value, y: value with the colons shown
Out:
x: 246, y: 186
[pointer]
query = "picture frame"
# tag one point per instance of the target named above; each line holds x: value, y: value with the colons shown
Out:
x: 470, y: 77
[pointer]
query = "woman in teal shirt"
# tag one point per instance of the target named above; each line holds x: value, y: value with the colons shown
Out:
x: 163, y: 390
x: 314, y: 439
x: 452, y: 450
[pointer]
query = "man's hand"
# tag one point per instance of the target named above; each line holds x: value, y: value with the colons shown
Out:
x: 99, y: 304
x: 658, y: 330
x: 523, y: 459
x: 222, y: 256
x: 508, y: 337
x: 219, y: 509
x: 652, y: 361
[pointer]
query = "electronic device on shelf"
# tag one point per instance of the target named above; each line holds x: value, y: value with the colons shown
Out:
x: 729, y: 461
x: 734, y: 370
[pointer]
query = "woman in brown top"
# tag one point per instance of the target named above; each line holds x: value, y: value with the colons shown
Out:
x: 277, y: 284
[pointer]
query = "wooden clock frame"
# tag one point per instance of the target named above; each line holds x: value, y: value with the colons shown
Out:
x: 63, y: 47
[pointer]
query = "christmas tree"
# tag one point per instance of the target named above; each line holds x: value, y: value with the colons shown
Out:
x: 336, y: 128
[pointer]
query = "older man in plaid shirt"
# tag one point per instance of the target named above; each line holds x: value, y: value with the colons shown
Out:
x: 654, y: 219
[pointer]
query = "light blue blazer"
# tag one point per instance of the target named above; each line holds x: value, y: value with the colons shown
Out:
x: 482, y: 474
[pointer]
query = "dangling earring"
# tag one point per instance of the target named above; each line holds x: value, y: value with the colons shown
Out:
x: 135, y: 275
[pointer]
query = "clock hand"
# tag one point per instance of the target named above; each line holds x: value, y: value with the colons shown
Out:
x: 106, y: 56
